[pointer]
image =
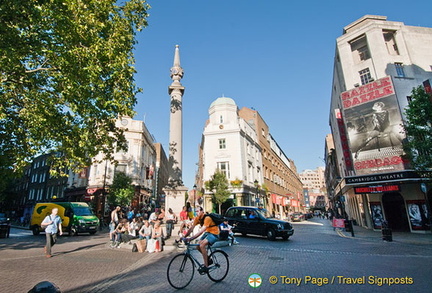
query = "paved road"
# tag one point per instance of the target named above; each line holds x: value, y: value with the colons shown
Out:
x: 313, y: 256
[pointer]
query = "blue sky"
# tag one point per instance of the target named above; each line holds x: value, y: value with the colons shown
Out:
x: 274, y: 56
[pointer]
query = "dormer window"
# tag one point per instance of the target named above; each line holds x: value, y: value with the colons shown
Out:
x: 390, y: 41
x: 360, y: 49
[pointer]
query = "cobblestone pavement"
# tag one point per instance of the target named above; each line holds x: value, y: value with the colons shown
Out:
x: 314, y: 254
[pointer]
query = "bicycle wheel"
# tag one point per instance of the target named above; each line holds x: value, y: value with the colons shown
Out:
x: 180, y: 271
x: 218, y: 271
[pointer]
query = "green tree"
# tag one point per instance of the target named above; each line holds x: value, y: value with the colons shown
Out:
x: 418, y: 130
x: 218, y: 184
x: 121, y: 191
x: 66, y: 75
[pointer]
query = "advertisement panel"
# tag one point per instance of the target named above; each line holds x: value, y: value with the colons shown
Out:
x: 374, y: 126
x: 377, y: 214
x: 418, y: 214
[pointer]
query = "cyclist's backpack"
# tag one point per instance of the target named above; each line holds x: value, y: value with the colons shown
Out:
x: 216, y: 218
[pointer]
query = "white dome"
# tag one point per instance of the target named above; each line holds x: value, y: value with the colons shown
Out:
x: 223, y: 101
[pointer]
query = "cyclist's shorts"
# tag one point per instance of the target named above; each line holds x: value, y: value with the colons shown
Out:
x: 211, y: 238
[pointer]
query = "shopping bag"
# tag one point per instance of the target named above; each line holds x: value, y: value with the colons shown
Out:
x: 141, y: 245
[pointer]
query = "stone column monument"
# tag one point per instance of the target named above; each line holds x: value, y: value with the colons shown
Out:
x: 175, y: 191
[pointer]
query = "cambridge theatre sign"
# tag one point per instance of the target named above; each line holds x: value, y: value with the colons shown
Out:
x: 394, y: 177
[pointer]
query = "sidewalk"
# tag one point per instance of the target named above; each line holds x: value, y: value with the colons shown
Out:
x: 401, y: 237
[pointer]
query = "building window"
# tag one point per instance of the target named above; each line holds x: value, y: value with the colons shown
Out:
x: 365, y: 76
x: 224, y: 168
x: 360, y: 49
x: 222, y: 143
x: 409, y: 99
x: 221, y: 119
x: 390, y: 41
x: 120, y: 168
x: 122, y: 149
x: 400, y: 70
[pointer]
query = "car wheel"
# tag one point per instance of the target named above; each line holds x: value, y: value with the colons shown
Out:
x: 35, y: 230
x: 285, y: 237
x: 73, y: 231
x: 271, y: 235
x: 244, y: 234
x: 92, y: 232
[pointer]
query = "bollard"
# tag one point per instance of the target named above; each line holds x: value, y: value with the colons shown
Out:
x: 386, y: 232
x: 4, y: 230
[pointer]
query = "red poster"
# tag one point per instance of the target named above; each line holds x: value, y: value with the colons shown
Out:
x: 339, y: 223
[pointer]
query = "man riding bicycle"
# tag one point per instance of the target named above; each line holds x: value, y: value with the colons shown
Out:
x: 210, y: 236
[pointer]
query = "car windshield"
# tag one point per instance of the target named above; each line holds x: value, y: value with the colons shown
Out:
x: 264, y: 213
x: 82, y: 211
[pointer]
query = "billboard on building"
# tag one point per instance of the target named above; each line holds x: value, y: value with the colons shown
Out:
x: 374, y: 126
x: 344, y: 142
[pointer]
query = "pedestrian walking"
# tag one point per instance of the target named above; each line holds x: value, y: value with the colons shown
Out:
x: 113, y: 224
x: 171, y: 220
x: 53, y: 225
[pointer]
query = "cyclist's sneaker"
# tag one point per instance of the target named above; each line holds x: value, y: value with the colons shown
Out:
x: 202, y: 270
x: 210, y: 261
x: 236, y: 242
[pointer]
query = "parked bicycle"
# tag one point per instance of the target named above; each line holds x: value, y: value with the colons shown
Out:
x: 181, y: 268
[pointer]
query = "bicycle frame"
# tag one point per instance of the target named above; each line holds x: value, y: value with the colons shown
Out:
x: 182, y: 267
x: 188, y: 252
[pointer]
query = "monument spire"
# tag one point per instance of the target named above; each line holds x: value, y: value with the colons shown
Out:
x: 176, y: 91
x: 175, y: 191
x: 177, y: 57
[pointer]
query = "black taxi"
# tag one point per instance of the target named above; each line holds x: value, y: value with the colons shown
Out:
x: 257, y: 221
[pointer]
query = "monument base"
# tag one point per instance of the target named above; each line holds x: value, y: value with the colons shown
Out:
x: 175, y: 198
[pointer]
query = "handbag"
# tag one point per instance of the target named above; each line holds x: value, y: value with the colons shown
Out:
x: 45, y: 225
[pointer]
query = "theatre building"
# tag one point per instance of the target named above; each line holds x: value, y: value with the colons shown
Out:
x: 377, y: 64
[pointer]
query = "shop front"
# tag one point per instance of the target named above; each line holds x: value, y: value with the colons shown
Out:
x: 401, y: 199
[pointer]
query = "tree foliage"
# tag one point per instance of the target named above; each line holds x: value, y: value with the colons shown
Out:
x: 218, y: 184
x: 121, y: 191
x: 66, y: 74
x: 418, y: 130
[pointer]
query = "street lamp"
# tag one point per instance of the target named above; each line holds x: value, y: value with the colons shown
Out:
x: 256, y: 195
x: 194, y: 199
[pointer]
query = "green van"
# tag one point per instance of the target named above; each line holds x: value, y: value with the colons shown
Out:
x: 77, y: 217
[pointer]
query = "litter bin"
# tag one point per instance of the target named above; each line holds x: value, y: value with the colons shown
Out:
x: 386, y: 232
x: 348, y: 225
x: 4, y: 230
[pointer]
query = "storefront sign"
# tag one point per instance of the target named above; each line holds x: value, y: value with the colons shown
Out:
x: 388, y: 176
x: 376, y: 189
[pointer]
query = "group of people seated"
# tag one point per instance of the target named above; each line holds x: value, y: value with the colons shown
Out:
x: 123, y: 230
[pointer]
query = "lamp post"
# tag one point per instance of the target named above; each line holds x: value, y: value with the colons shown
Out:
x: 256, y: 194
x: 194, y: 197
